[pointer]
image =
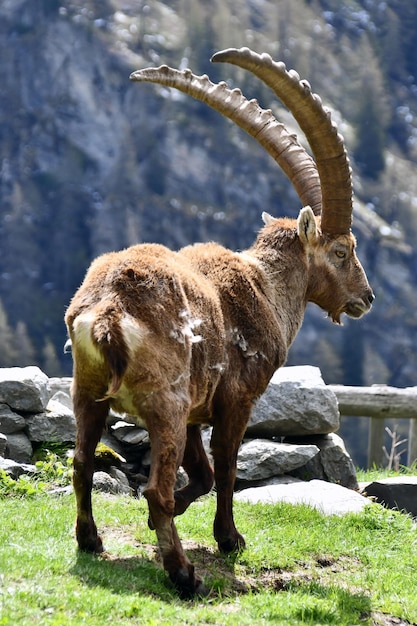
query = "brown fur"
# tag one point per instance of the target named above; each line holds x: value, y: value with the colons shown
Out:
x: 193, y: 337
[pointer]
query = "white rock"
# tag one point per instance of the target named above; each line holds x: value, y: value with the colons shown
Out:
x: 62, y: 385
x: 63, y: 398
x: 328, y: 498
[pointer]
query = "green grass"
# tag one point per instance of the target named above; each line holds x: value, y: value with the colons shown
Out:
x: 375, y: 473
x: 299, y: 567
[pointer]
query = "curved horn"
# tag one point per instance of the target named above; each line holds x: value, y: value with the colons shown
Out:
x: 257, y: 122
x: 315, y: 121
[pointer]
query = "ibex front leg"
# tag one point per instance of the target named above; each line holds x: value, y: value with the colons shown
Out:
x: 90, y: 417
x: 228, y: 431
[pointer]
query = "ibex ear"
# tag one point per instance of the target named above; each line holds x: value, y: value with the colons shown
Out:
x: 267, y: 218
x: 307, y: 226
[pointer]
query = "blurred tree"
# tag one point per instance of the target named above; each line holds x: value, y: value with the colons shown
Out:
x: 353, y: 356
x: 7, y: 348
x: 51, y: 365
x: 201, y: 35
x: 370, y: 141
x: 328, y: 359
x: 389, y: 43
x: 25, y: 353
x: 407, y: 17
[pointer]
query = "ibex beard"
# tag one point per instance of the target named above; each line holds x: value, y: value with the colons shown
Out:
x: 190, y: 338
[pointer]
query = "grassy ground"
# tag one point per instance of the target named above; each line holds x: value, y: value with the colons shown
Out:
x: 300, y: 567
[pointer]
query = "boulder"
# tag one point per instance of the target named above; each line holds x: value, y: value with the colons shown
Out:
x: 115, y: 484
x: 24, y: 388
x: 61, y: 385
x: 15, y: 469
x: 121, y: 478
x: 328, y: 498
x: 399, y: 492
x: 296, y: 402
x: 106, y: 457
x: 146, y: 460
x: 112, y: 443
x: 3, y: 444
x: 333, y: 464
x: 260, y: 459
x: 19, y: 447
x: 55, y: 424
x: 125, y: 432
x: 10, y: 422
x: 206, y: 433
x: 63, y: 398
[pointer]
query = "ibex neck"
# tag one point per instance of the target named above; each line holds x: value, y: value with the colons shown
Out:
x: 282, y: 257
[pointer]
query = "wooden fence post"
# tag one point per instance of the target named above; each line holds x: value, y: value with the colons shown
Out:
x: 412, y: 443
x: 376, y: 442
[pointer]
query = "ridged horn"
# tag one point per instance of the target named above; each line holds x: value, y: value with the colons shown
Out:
x: 257, y: 122
x: 321, y: 132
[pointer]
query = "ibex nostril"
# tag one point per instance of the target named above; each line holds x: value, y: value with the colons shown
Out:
x: 371, y: 297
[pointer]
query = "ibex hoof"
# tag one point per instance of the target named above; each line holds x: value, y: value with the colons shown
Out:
x: 91, y: 545
x: 188, y: 585
x: 88, y: 540
x: 232, y: 544
x: 201, y: 590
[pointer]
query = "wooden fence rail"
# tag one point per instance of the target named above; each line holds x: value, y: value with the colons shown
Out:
x: 380, y: 402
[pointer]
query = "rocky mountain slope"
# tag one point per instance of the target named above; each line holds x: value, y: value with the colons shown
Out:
x: 91, y: 162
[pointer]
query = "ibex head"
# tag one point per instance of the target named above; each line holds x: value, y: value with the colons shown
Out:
x: 324, y: 184
x: 334, y: 264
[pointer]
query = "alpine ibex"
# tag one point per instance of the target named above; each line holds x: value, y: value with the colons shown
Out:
x: 186, y: 338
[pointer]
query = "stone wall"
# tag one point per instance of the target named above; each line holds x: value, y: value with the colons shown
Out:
x: 292, y: 432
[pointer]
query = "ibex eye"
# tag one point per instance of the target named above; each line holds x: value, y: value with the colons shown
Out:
x: 340, y: 254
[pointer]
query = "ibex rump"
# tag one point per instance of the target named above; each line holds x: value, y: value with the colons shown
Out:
x: 193, y: 337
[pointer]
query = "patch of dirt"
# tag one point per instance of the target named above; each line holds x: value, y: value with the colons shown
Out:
x: 381, y: 619
x: 226, y: 579
x: 213, y: 566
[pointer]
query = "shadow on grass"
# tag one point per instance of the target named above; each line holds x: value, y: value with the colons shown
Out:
x: 123, y: 575
x: 323, y: 600
x: 145, y: 575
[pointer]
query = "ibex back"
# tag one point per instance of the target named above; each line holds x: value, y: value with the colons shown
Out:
x: 186, y: 338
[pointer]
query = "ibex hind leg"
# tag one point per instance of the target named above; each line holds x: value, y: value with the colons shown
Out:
x: 199, y: 471
x: 90, y: 419
x: 168, y: 438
